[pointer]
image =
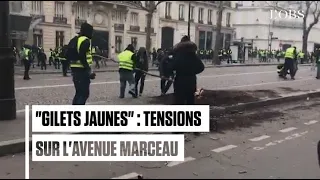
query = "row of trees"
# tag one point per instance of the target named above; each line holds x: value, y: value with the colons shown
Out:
x: 151, y: 6
x: 310, y: 9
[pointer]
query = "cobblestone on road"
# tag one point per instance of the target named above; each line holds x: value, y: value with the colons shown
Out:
x: 282, y: 146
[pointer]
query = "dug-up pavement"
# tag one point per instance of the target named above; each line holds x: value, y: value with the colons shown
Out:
x: 270, y: 142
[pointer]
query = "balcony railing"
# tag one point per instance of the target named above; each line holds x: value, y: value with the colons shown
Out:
x: 60, y: 20
x: 135, y: 28
x: 78, y: 22
x: 168, y: 17
x: 119, y: 27
x: 200, y: 21
x: 36, y: 16
x: 181, y: 19
x: 210, y: 23
x: 151, y: 30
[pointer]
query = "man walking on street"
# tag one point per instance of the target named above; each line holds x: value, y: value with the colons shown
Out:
x: 187, y: 65
x: 63, y: 60
x: 126, y: 66
x: 289, y: 64
x: 80, y: 56
x: 26, y: 58
x: 142, y: 63
x: 166, y: 72
x: 42, y: 57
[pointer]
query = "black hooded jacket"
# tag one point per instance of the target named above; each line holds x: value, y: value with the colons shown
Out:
x: 186, y: 61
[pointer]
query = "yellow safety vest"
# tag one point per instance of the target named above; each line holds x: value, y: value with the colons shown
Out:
x: 93, y: 50
x: 301, y: 55
x: 125, y: 61
x: 289, y: 53
x: 78, y: 64
x: 26, y: 52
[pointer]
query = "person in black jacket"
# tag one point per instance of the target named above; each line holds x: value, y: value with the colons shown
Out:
x: 166, y: 72
x: 141, y: 63
x: 186, y: 65
x: 42, y: 57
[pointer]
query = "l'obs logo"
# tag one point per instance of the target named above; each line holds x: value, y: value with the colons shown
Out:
x: 286, y: 14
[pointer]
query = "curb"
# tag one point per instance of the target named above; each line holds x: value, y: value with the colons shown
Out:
x: 267, y: 102
x: 155, y: 69
x: 18, y: 145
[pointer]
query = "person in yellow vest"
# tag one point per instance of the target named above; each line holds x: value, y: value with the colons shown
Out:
x: 127, y: 61
x: 26, y: 56
x: 289, y: 64
x: 301, y: 56
x: 63, y: 60
x: 80, y: 57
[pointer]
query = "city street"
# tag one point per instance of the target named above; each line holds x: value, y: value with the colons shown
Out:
x: 271, y: 142
x: 54, y: 89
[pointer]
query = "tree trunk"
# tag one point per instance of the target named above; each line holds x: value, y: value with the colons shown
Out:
x: 305, y: 36
x: 148, y: 35
x: 218, y: 44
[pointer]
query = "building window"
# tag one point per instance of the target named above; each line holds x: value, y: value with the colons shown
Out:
x: 119, y: 17
x: 209, y: 16
x: 181, y: 12
x: 134, y: 19
x: 134, y: 42
x: 118, y: 44
x: 202, y: 39
x: 192, y: 13
x: 59, y: 9
x: 37, y: 7
x: 38, y: 37
x: 200, y: 15
x: 168, y: 9
x: 228, y: 19
x: 16, y: 6
x: 80, y: 12
x: 209, y: 40
x: 59, y: 38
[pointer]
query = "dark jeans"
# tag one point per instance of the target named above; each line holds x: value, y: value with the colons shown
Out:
x: 81, y: 81
x: 126, y: 76
x: 56, y: 63
x: 288, y: 65
x: 165, y: 84
x: 318, y: 70
x: 64, y: 64
x: 184, y: 89
x: 26, y: 64
x: 139, y: 76
x: 43, y: 65
x: 50, y: 60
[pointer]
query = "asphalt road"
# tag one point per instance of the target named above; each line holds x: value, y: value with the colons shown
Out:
x: 54, y: 89
x: 272, y: 142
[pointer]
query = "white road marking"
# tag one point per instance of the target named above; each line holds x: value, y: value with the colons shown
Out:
x: 224, y: 148
x: 310, y: 122
x: 52, y: 79
x: 175, y: 163
x: 128, y: 176
x: 288, y: 129
x: 260, y: 138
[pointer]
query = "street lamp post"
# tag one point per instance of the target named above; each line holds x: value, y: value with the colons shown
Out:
x: 7, y: 94
x: 189, y: 18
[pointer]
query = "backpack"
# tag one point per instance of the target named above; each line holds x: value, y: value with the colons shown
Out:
x: 71, y: 51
